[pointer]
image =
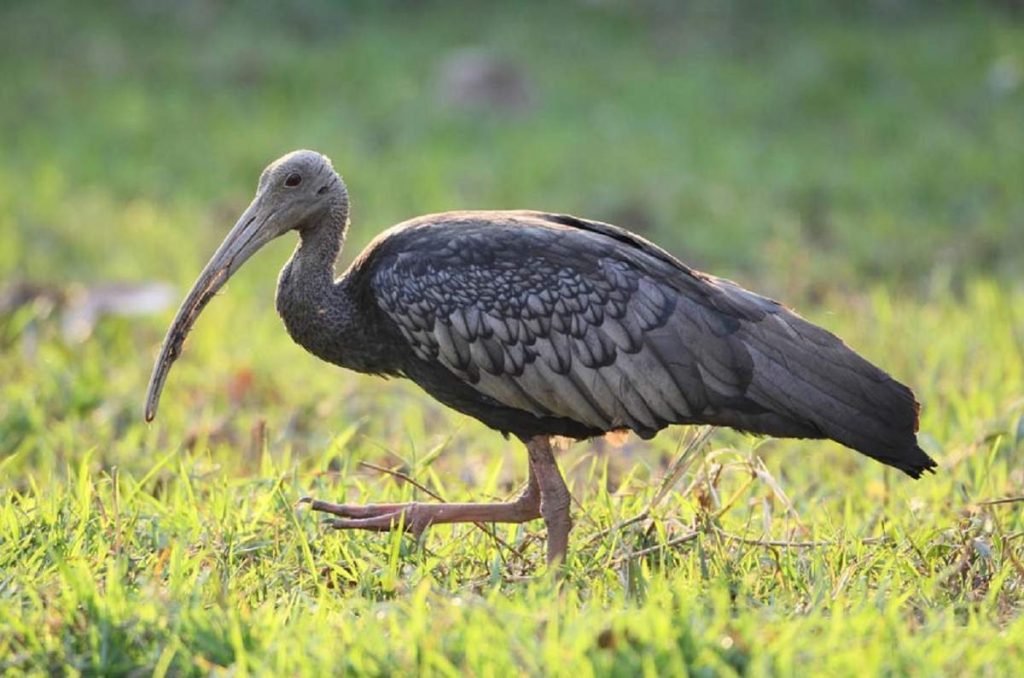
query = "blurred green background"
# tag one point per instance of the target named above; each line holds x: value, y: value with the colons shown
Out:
x: 861, y: 161
x: 846, y: 143
x: 818, y: 153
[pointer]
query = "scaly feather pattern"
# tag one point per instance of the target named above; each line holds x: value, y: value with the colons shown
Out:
x: 553, y: 324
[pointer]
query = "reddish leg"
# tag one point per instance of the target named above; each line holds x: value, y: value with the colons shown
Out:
x: 417, y: 517
x: 545, y: 496
x: 554, y: 497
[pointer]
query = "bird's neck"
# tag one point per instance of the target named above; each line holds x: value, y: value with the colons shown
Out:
x: 320, y: 243
x: 318, y: 311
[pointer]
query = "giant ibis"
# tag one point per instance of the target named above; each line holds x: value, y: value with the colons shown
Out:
x: 543, y: 325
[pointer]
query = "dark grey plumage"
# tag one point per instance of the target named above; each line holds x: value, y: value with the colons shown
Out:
x: 544, y: 324
x: 564, y: 318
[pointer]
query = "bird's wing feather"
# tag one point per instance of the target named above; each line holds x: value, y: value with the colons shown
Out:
x: 564, y: 317
x: 557, y: 320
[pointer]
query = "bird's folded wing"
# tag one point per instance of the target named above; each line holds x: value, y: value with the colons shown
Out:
x: 560, y: 321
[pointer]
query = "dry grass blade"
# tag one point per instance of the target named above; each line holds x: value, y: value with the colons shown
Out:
x: 784, y: 543
x: 600, y: 535
x: 681, y: 465
x: 1003, y: 500
x: 404, y: 477
x: 764, y: 474
x: 682, y: 539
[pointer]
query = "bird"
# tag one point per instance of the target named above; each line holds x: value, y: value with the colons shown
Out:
x: 541, y: 325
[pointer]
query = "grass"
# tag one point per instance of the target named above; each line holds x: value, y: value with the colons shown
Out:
x: 864, y: 167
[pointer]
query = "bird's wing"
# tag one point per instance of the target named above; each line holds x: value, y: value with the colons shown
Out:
x: 548, y: 316
x: 564, y: 317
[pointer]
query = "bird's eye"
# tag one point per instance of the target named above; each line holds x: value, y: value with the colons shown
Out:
x: 293, y: 180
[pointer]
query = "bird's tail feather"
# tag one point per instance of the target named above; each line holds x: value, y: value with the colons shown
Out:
x: 821, y: 385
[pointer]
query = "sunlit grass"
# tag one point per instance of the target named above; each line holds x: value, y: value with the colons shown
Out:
x: 149, y: 554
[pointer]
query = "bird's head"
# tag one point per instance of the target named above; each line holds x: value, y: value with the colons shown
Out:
x: 294, y: 192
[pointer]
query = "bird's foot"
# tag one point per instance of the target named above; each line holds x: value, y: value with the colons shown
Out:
x: 374, y: 517
x: 415, y: 517
x: 545, y: 496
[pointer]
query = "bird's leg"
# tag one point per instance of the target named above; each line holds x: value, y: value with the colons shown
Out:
x: 545, y: 496
x: 416, y: 517
x: 554, y: 497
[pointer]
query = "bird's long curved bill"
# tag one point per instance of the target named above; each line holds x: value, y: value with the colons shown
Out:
x: 247, y: 236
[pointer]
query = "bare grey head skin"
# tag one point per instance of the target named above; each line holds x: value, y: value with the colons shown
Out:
x: 295, y: 192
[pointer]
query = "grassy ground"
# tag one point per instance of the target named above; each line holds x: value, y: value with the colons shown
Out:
x: 864, y: 166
